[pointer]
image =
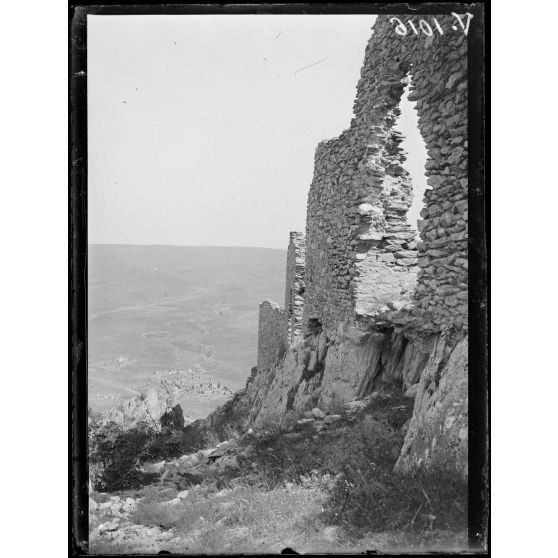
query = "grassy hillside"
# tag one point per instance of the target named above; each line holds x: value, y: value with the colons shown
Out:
x: 317, y: 482
x: 173, y: 307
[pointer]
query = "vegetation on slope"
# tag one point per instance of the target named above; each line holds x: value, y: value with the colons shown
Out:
x: 311, y: 483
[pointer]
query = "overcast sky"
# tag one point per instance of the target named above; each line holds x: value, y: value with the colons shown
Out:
x: 202, y: 129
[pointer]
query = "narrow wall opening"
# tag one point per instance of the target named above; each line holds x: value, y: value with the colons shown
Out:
x: 387, y: 274
x: 415, y: 153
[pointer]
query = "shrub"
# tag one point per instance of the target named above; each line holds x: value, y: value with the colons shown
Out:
x: 279, y: 458
x: 173, y: 419
x: 163, y: 446
x: 192, y: 438
x: 355, y: 466
x: 372, y: 500
x: 125, y: 456
x: 115, y: 453
x: 370, y: 496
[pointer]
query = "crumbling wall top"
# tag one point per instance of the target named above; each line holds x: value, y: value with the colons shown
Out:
x: 362, y: 256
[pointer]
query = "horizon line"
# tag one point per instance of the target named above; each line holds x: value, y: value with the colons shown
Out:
x: 180, y: 245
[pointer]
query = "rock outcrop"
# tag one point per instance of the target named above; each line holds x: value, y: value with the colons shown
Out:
x: 438, y: 431
x: 148, y: 408
x: 174, y: 388
x: 173, y: 419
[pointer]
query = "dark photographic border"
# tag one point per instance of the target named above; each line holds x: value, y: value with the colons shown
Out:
x: 479, y: 247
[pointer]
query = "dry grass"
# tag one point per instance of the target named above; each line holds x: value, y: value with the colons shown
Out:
x: 333, y: 492
x: 242, y: 519
x: 107, y: 548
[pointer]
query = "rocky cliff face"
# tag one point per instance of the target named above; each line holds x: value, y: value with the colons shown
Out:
x: 433, y: 371
x: 438, y: 432
x: 368, y: 299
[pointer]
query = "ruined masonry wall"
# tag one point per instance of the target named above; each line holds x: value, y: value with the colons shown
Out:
x: 362, y: 257
x: 272, y: 341
x: 279, y: 327
x: 294, y: 286
x: 373, y: 300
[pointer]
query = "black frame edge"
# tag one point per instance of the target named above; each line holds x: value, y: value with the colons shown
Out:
x: 77, y: 266
x: 478, y: 482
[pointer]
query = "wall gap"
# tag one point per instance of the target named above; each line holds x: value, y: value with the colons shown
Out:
x: 415, y: 152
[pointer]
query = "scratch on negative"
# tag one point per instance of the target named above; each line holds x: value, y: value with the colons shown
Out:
x: 310, y: 65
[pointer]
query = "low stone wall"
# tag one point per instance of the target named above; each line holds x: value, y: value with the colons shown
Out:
x: 272, y: 342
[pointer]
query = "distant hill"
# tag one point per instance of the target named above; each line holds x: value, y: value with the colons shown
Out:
x: 153, y: 308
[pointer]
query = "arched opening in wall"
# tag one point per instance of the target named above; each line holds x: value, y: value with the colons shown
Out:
x: 415, y: 150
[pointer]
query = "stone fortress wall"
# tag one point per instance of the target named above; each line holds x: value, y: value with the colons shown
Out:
x: 281, y: 327
x: 361, y: 252
x: 369, y: 298
x: 295, y: 286
x: 272, y: 340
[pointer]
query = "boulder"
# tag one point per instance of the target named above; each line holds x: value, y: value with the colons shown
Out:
x: 217, y: 454
x: 356, y: 405
x: 173, y: 419
x: 318, y: 413
x: 227, y: 462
